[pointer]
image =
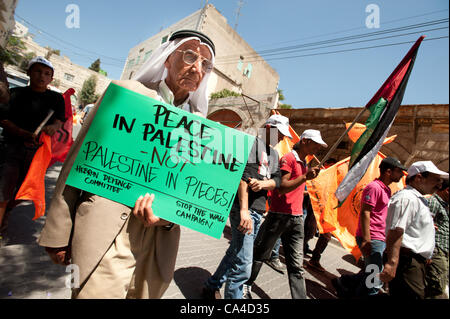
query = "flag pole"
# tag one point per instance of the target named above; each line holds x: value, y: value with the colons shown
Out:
x: 333, y: 148
x: 39, y: 128
x: 314, y: 156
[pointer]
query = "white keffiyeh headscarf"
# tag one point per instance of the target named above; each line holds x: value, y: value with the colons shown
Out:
x: 154, y: 71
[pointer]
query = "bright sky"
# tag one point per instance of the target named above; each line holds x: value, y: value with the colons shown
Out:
x: 109, y: 29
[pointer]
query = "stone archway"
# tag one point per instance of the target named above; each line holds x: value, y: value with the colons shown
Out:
x: 226, y: 117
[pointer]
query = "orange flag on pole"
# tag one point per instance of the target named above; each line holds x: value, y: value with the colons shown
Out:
x: 53, y: 149
x: 343, y: 221
x: 359, y: 128
x: 33, y: 187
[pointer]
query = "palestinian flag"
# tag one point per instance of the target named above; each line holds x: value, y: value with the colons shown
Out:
x: 383, y: 109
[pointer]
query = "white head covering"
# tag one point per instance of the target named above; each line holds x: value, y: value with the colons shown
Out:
x: 41, y: 60
x: 313, y: 135
x: 154, y: 71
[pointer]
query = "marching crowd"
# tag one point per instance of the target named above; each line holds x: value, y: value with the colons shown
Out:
x: 125, y: 252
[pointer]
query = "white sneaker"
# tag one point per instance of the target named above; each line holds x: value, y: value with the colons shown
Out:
x: 247, y: 293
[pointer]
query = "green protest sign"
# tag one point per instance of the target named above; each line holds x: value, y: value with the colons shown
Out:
x: 137, y: 145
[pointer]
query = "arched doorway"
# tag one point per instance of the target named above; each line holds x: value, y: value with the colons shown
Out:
x: 226, y: 117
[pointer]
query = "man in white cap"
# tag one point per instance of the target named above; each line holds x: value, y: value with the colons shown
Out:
x: 410, y: 233
x: 261, y: 174
x: 27, y: 108
x: 285, y: 218
x: 123, y: 252
x: 281, y: 123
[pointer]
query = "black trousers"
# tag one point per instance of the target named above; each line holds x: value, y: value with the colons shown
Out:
x: 409, y: 281
x: 15, y: 160
x: 290, y: 229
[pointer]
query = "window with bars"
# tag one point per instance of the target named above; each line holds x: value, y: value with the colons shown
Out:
x: 147, y: 55
x: 248, y: 70
x: 69, y: 77
x: 130, y: 63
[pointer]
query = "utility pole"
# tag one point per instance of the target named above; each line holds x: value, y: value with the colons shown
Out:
x: 238, y: 13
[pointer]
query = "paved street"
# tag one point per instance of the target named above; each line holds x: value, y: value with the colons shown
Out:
x: 27, y: 272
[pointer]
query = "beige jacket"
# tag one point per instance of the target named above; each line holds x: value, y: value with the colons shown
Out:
x: 90, y: 223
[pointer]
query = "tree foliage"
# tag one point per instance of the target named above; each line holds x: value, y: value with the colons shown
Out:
x: 13, y: 51
x: 280, y: 95
x: 26, y: 60
x: 51, y: 51
x: 87, y: 94
x: 281, y: 98
x: 223, y: 93
x: 95, y: 66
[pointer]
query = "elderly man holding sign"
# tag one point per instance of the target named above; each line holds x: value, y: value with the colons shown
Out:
x: 118, y: 251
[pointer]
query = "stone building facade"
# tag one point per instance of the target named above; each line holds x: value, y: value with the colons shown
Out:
x: 422, y: 131
x: 244, y: 112
x: 67, y: 74
x: 7, y: 8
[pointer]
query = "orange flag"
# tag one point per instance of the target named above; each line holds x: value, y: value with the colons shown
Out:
x: 356, y: 131
x: 342, y: 221
x: 33, y: 187
x: 359, y: 128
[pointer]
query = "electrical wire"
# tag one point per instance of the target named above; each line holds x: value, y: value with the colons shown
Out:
x: 353, y: 29
x: 267, y: 56
x: 342, y: 39
x: 348, y: 50
x: 69, y: 43
x: 280, y: 52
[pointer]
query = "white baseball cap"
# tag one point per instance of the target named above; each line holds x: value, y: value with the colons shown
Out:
x: 281, y: 123
x: 313, y: 135
x: 41, y: 60
x: 425, y: 166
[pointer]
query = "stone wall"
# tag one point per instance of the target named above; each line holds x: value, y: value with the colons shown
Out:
x: 253, y: 111
x: 230, y: 46
x: 422, y: 131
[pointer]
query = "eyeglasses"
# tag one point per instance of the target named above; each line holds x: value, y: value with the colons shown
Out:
x: 190, y: 57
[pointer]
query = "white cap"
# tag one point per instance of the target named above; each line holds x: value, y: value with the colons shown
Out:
x: 425, y: 166
x: 41, y: 60
x: 313, y: 135
x: 281, y: 123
